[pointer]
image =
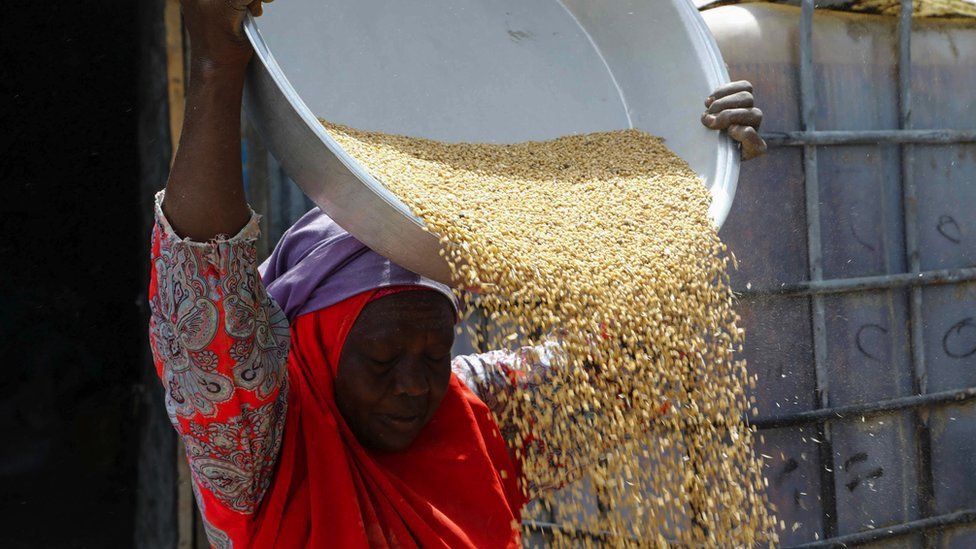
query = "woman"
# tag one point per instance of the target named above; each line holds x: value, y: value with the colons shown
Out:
x: 318, y: 400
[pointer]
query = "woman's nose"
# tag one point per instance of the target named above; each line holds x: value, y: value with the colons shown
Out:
x: 411, y: 379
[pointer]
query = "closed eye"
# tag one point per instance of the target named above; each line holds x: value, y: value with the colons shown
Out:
x: 384, y: 361
x: 438, y: 354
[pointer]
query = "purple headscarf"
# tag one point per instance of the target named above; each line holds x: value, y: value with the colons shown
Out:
x: 318, y: 264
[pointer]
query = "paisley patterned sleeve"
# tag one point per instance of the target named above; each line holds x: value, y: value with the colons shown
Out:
x: 220, y: 346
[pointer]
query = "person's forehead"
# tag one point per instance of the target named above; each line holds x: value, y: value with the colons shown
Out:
x: 405, y: 312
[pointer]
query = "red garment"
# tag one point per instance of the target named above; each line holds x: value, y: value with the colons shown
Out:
x: 455, y: 487
x: 234, y: 373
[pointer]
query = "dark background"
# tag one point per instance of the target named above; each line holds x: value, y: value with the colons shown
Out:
x: 73, y: 347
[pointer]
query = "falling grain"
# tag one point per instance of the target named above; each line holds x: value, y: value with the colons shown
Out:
x: 602, y: 242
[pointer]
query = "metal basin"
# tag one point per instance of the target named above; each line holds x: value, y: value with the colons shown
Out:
x: 499, y: 71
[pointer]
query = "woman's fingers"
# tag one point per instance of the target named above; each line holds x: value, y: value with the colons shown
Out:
x: 752, y: 144
x: 727, y: 118
x: 256, y: 7
x: 731, y: 107
x: 739, y: 100
x: 729, y: 89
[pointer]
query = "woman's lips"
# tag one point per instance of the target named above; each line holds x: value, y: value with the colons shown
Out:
x: 401, y: 422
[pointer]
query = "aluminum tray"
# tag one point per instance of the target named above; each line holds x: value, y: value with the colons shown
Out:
x: 498, y: 71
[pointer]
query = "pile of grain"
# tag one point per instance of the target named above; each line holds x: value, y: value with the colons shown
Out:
x: 920, y: 8
x: 602, y: 241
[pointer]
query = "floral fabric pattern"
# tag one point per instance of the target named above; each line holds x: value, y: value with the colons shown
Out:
x: 183, y: 325
x: 220, y: 346
x: 223, y: 455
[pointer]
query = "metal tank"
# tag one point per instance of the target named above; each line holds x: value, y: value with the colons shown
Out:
x: 856, y: 240
x: 471, y: 70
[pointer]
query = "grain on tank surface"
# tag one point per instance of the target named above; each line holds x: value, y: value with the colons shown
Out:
x: 920, y: 8
x: 602, y: 243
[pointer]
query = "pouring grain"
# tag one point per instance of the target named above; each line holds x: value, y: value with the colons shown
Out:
x: 602, y: 242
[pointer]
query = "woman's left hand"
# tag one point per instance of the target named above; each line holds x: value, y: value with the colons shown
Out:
x: 731, y: 108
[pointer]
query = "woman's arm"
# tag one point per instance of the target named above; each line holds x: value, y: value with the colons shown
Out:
x: 205, y: 192
x: 219, y: 343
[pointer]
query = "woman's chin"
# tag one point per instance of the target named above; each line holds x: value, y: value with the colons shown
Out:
x: 393, y: 434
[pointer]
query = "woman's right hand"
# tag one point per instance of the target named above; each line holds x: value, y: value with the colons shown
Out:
x: 216, y: 31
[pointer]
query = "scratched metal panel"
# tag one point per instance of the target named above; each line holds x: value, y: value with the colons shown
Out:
x: 572, y: 493
x: 875, y: 472
x: 791, y: 465
x: 863, y: 227
x: 946, y: 179
x: 778, y: 350
x: 860, y: 186
x: 843, y: 84
x: 768, y: 219
x: 861, y: 210
x: 950, y: 335
x: 954, y: 457
x: 944, y: 96
x: 868, y: 355
x: 962, y: 537
x: 947, y: 200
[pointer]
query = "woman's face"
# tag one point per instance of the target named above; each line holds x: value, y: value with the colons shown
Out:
x: 395, y: 367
